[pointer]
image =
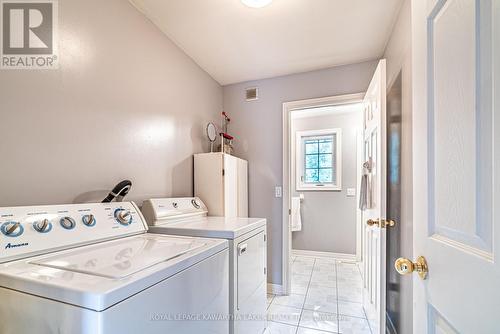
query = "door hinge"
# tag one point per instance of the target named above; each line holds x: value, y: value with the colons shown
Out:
x: 290, y: 212
x: 264, y: 237
x: 265, y: 270
x: 223, y: 172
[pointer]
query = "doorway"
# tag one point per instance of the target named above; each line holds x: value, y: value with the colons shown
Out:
x: 324, y: 170
x: 371, y: 199
x: 300, y: 109
x: 321, y: 171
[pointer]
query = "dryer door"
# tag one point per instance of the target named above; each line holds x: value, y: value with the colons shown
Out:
x: 251, y: 284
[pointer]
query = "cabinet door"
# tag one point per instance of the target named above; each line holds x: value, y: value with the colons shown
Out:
x: 242, y: 188
x: 251, y: 284
x: 230, y: 186
x: 209, y: 182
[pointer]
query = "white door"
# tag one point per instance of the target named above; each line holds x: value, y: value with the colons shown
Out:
x: 374, y: 234
x: 251, y: 284
x: 456, y: 164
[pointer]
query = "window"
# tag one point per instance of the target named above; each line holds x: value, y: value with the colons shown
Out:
x: 318, y: 159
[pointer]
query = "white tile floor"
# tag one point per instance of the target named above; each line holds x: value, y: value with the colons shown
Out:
x: 326, y: 298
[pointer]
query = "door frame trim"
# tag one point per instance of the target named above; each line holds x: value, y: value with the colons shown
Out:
x: 288, y: 107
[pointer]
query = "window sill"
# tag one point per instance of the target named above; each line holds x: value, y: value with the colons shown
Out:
x: 319, y: 188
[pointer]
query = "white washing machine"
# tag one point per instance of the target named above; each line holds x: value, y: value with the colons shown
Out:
x: 92, y: 268
x: 247, y: 253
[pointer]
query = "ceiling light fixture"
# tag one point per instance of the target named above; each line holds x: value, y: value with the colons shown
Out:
x: 256, y: 3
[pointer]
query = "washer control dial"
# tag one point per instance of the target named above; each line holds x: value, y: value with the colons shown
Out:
x: 88, y: 220
x: 42, y: 226
x: 195, y: 203
x: 123, y: 216
x: 12, y: 229
x: 68, y: 223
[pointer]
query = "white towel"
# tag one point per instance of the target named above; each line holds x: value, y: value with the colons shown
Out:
x: 296, y: 219
x: 366, y: 192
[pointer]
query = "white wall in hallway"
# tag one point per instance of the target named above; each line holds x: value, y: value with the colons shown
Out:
x: 329, y: 217
x: 125, y: 103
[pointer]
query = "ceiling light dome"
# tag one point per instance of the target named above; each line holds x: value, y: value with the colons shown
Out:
x: 256, y: 3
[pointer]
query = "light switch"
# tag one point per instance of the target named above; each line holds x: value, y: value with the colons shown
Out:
x: 351, y: 192
x: 277, y: 192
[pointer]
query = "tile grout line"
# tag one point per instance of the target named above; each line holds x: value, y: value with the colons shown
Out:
x: 364, y: 312
x: 336, y: 273
x: 274, y: 295
x: 307, y: 291
x: 368, y: 321
x: 301, y: 309
x: 272, y: 299
x: 362, y: 300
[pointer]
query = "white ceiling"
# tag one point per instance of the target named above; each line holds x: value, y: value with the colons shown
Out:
x: 234, y: 43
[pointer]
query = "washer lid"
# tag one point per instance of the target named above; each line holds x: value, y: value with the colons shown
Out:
x: 81, y: 276
x: 121, y: 258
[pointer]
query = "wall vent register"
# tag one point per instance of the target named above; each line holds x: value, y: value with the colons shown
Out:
x: 252, y: 94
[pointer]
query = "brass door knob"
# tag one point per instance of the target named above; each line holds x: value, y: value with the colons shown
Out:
x: 389, y: 222
x: 404, y: 266
x: 385, y: 222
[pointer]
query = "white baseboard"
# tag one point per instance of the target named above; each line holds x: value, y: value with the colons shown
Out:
x: 338, y: 256
x: 275, y: 289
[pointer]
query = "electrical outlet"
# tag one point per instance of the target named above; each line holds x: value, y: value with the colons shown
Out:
x: 351, y: 192
x: 278, y: 192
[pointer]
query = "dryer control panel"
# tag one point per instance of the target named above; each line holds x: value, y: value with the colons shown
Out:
x: 32, y: 230
x: 160, y: 211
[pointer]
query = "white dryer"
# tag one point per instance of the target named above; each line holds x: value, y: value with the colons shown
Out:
x: 91, y: 268
x: 247, y: 253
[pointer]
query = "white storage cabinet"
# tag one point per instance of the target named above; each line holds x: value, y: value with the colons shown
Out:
x: 221, y: 182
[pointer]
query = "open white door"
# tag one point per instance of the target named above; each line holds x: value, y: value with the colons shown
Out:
x: 456, y: 164
x: 374, y: 216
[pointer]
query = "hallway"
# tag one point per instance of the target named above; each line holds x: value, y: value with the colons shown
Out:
x: 326, y: 298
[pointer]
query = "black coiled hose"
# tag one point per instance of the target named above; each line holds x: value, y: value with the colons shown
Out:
x: 119, y: 191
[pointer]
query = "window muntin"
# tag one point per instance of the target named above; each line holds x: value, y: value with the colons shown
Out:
x: 319, y: 159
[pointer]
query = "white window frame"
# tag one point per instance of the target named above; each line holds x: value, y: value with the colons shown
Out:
x: 336, y: 185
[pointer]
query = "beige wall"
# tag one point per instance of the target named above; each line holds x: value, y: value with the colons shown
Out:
x: 329, y: 217
x: 398, y: 55
x: 125, y: 103
x: 257, y: 126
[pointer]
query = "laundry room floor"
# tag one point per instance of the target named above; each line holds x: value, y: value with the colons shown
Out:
x: 326, y: 297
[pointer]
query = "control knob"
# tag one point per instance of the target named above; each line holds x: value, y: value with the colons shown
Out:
x: 12, y: 229
x: 42, y: 226
x: 123, y: 216
x: 67, y: 223
x: 195, y: 203
x: 88, y: 220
